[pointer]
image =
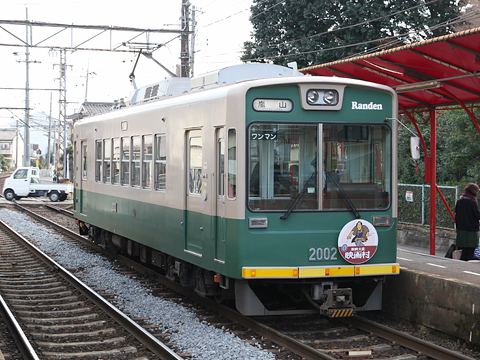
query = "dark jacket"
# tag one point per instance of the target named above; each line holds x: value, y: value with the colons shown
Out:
x: 467, y: 214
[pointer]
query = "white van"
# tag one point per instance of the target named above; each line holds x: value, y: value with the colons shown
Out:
x: 25, y: 182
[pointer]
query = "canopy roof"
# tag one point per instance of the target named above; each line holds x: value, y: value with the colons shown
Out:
x: 443, y: 71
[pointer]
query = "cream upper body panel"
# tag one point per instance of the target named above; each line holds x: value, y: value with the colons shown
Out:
x: 205, y: 110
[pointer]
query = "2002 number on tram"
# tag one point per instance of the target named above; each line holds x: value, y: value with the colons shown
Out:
x: 322, y: 254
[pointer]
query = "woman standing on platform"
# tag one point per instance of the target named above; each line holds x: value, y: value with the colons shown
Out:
x: 467, y: 217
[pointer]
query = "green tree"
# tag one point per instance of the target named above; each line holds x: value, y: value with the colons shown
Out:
x: 321, y: 31
x: 4, y: 164
x: 458, y: 150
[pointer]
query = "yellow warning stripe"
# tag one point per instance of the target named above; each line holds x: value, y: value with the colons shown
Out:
x: 319, y: 271
x: 309, y: 272
x: 341, y: 313
x: 383, y: 269
x: 248, y: 272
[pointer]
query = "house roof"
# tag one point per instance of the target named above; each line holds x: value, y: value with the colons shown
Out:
x: 95, y: 108
x: 7, y: 134
x: 446, y: 67
x: 91, y: 109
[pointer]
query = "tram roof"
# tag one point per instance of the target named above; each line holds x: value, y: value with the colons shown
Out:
x: 436, y: 72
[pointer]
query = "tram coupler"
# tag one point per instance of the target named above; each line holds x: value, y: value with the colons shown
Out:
x: 338, y: 303
x: 83, y: 229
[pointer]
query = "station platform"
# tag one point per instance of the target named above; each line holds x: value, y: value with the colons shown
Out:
x: 436, y: 292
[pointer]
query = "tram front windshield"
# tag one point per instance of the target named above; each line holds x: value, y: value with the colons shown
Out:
x: 288, y: 164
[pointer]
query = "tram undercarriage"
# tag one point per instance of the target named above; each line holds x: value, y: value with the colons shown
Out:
x: 333, y: 298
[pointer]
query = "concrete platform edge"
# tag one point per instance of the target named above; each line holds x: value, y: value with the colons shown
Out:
x: 422, y: 299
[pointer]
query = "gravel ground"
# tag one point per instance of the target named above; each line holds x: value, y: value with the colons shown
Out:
x: 190, y: 334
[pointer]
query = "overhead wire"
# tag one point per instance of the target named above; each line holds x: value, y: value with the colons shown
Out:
x: 396, y: 39
x: 237, y: 13
x: 347, y: 27
x: 471, y: 16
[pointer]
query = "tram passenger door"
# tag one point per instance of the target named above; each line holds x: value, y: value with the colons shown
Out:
x: 220, y: 180
x: 196, y: 219
x: 81, y: 168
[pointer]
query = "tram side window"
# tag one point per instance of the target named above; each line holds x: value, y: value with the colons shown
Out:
x: 232, y: 164
x: 98, y: 160
x: 84, y: 163
x: 147, y: 157
x: 160, y: 162
x: 136, y: 158
x: 116, y: 162
x: 107, y: 153
x: 195, y: 161
x: 125, y: 170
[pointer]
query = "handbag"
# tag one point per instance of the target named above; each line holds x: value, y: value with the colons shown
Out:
x: 476, y: 253
x: 450, y: 251
x: 457, y: 254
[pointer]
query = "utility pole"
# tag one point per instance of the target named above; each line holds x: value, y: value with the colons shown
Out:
x: 184, y: 52
x: 62, y: 109
x: 49, y: 133
x: 63, y: 101
x: 26, y: 156
x: 192, y: 41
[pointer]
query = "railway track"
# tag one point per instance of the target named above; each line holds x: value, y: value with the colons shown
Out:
x: 306, y: 337
x: 61, y: 210
x: 61, y: 317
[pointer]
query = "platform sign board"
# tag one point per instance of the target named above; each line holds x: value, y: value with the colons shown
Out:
x: 409, y: 196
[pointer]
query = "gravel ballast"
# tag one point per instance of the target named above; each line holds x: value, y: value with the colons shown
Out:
x: 190, y: 334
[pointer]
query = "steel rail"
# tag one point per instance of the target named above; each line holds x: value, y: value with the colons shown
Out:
x: 21, y: 340
x: 424, y: 347
x: 306, y: 351
x: 154, y: 345
x: 53, y: 207
x: 303, y: 350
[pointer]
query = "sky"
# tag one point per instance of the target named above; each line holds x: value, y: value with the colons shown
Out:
x: 222, y: 26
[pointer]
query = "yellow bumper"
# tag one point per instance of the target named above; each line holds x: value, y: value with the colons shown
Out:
x: 303, y: 272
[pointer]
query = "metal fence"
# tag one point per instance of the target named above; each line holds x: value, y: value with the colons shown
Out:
x: 414, y: 205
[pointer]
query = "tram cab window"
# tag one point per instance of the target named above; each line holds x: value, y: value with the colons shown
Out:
x: 288, y: 165
x: 356, y: 162
x: 282, y: 164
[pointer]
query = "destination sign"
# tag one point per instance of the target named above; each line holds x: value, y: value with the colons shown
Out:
x: 273, y: 105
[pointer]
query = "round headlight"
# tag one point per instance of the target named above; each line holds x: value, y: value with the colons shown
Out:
x: 312, y: 97
x: 329, y: 97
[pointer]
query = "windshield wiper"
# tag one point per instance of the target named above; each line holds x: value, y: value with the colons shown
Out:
x: 298, y: 197
x: 344, y: 195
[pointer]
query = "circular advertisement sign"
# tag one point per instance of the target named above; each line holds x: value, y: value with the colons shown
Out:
x: 358, y: 241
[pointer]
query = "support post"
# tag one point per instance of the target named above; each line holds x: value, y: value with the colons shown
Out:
x: 184, y: 52
x: 26, y: 149
x: 433, y: 178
